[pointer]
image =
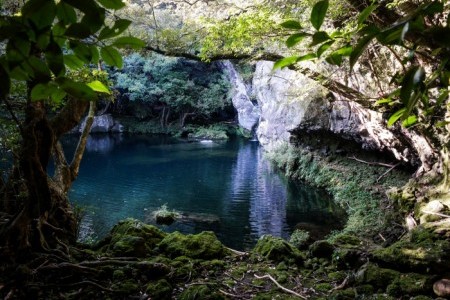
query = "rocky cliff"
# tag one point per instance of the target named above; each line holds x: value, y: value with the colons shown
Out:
x: 292, y: 104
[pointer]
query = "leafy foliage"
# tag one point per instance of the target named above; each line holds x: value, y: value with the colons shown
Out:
x: 183, y: 86
x: 420, y: 91
x: 50, y: 36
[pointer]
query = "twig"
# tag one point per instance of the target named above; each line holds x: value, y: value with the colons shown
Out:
x: 385, y: 173
x: 372, y: 163
x: 342, y: 285
x: 436, y: 214
x: 280, y: 286
x: 228, y: 294
x: 382, y: 237
x: 236, y: 251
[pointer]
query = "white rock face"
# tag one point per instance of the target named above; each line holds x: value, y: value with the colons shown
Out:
x: 290, y: 101
x: 283, y: 97
x: 248, y: 113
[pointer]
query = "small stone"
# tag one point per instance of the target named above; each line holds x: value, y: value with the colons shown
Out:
x: 430, y: 211
x: 442, y: 287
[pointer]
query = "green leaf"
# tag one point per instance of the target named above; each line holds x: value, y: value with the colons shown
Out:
x: 65, y: 13
x: 319, y: 37
x: 411, y: 120
x: 57, y: 95
x: 40, y: 69
x: 295, y: 38
x: 58, y: 33
x: 40, y: 12
x: 391, y: 36
x: 291, y: 24
x: 5, y: 82
x: 111, y: 56
x: 78, y: 30
x: 40, y: 92
x: 434, y: 7
x: 112, y: 4
x: 366, y: 13
x: 17, y: 50
x: 128, y: 42
x: 76, y: 89
x: 324, y: 47
x: 383, y: 101
x: 94, y: 21
x: 119, y: 26
x: 334, y: 59
x: 55, y: 59
x: 394, y: 118
x: 318, y: 13
x: 284, y: 62
x: 98, y: 86
x: 411, y: 79
x: 344, y: 51
x: 360, y: 47
x: 94, y: 54
x: 73, y: 62
x: 87, y: 7
x: 308, y: 56
x: 81, y: 50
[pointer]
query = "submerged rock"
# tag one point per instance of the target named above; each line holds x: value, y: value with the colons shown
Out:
x: 442, y: 287
x: 204, y: 245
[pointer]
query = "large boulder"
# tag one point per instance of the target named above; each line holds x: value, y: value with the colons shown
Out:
x: 103, y: 124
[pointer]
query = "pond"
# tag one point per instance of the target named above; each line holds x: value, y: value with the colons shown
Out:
x: 226, y: 187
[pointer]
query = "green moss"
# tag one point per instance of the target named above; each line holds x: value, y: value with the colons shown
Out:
x: 118, y: 275
x: 277, y: 249
x: 347, y: 294
x: 420, y: 251
x: 376, y: 276
x: 351, y: 188
x: 200, y: 292
x: 204, y: 245
x: 364, y: 290
x: 133, y: 238
x: 128, y: 287
x: 338, y: 275
x: 323, y: 287
x: 411, y: 284
x: 159, y: 290
x: 321, y: 249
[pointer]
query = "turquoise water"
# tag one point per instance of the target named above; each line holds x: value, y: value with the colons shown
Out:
x: 226, y: 187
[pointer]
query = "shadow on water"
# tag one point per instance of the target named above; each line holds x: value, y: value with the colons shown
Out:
x: 227, y: 187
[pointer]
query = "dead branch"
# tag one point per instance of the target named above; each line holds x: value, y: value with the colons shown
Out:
x: 280, y: 286
x: 385, y: 173
x: 240, y: 253
x: 372, y: 163
x: 342, y: 285
x: 436, y: 214
x: 228, y: 294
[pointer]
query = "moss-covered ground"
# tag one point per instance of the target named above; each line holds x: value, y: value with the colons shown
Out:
x: 138, y: 261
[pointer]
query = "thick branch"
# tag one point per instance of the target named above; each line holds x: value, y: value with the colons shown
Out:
x: 75, y: 164
x: 69, y: 116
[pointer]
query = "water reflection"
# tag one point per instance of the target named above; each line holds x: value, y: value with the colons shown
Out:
x: 226, y: 187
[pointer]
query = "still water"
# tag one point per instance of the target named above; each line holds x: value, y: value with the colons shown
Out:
x: 227, y: 187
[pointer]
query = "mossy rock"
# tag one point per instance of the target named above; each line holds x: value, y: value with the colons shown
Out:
x: 159, y: 290
x: 128, y: 287
x: 344, y: 258
x: 204, y: 245
x: 200, y: 292
x: 376, y: 276
x: 276, y: 249
x: 131, y: 237
x: 364, y: 290
x: 421, y: 251
x: 323, y: 287
x: 347, y: 294
x: 410, y: 284
x: 322, y: 249
x: 346, y: 241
